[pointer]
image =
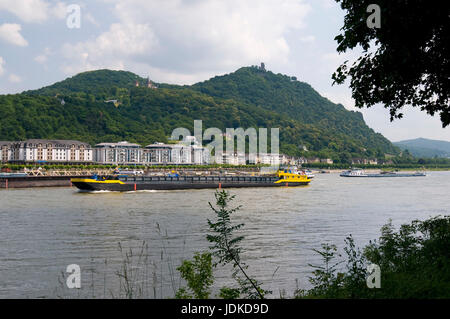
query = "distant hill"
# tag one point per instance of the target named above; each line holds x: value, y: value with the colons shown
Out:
x: 422, y: 147
x: 91, y: 82
x: 76, y: 108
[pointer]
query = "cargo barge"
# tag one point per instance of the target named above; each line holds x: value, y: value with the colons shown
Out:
x: 361, y: 173
x: 137, y: 183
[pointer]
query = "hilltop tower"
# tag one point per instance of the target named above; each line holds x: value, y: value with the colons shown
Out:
x: 149, y: 84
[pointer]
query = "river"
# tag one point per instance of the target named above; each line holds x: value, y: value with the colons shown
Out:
x: 44, y: 230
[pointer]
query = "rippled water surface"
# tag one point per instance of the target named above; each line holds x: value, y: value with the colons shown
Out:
x: 44, y: 230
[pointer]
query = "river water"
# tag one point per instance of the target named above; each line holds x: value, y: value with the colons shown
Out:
x: 42, y: 231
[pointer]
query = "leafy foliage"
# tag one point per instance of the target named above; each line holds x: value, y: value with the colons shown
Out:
x: 229, y: 293
x: 101, y: 83
x: 405, y: 62
x: 326, y: 280
x: 198, y: 275
x: 414, y: 263
x: 227, y: 250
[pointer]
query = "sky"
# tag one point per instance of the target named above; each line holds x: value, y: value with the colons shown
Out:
x: 184, y: 42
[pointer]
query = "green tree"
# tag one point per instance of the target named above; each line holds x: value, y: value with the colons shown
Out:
x: 326, y: 279
x: 405, y: 62
x: 226, y: 245
x: 198, y: 275
x: 414, y: 262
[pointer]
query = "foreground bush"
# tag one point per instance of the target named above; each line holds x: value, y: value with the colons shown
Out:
x: 414, y: 263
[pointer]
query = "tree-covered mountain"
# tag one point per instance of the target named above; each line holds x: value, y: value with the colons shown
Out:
x: 92, y: 82
x: 76, y: 108
x: 299, y: 101
x: 422, y: 147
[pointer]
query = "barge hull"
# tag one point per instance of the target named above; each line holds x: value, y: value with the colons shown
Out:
x: 86, y: 186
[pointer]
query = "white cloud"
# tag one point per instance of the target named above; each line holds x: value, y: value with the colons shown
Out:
x: 10, y: 32
x: 308, y: 39
x: 27, y: 10
x: 112, y: 49
x: 42, y: 58
x: 90, y: 18
x: 34, y: 11
x: 13, y: 78
x: 220, y: 33
x: 59, y: 10
x: 2, y: 63
x: 193, y: 37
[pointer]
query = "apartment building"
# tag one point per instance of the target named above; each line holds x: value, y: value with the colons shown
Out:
x: 5, y: 151
x: 272, y: 159
x: 52, y: 151
x: 160, y: 153
x: 230, y: 158
x: 118, y: 153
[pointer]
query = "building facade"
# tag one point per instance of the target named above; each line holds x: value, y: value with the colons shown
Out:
x: 230, y: 158
x: 51, y: 151
x: 365, y: 161
x: 5, y: 151
x: 188, y: 152
x: 118, y: 153
x: 160, y: 153
x: 157, y: 153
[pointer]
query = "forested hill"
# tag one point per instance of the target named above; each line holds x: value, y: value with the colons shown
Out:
x: 93, y: 82
x: 285, y: 95
x: 422, y: 147
x: 76, y: 108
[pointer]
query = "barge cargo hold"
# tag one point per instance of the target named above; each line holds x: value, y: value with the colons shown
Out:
x: 136, y: 183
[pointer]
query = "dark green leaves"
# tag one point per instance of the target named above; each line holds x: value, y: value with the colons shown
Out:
x: 227, y: 250
x: 198, y: 275
x: 410, y: 60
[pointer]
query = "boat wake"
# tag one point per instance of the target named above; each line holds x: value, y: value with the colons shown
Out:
x: 96, y: 192
x: 143, y: 191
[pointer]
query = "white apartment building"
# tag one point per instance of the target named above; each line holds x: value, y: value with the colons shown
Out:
x: 230, y: 158
x: 160, y: 153
x: 5, y: 151
x: 118, y: 153
x: 181, y: 154
x: 51, y: 151
x: 157, y: 153
x: 200, y: 155
x: 257, y: 158
x: 268, y: 159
